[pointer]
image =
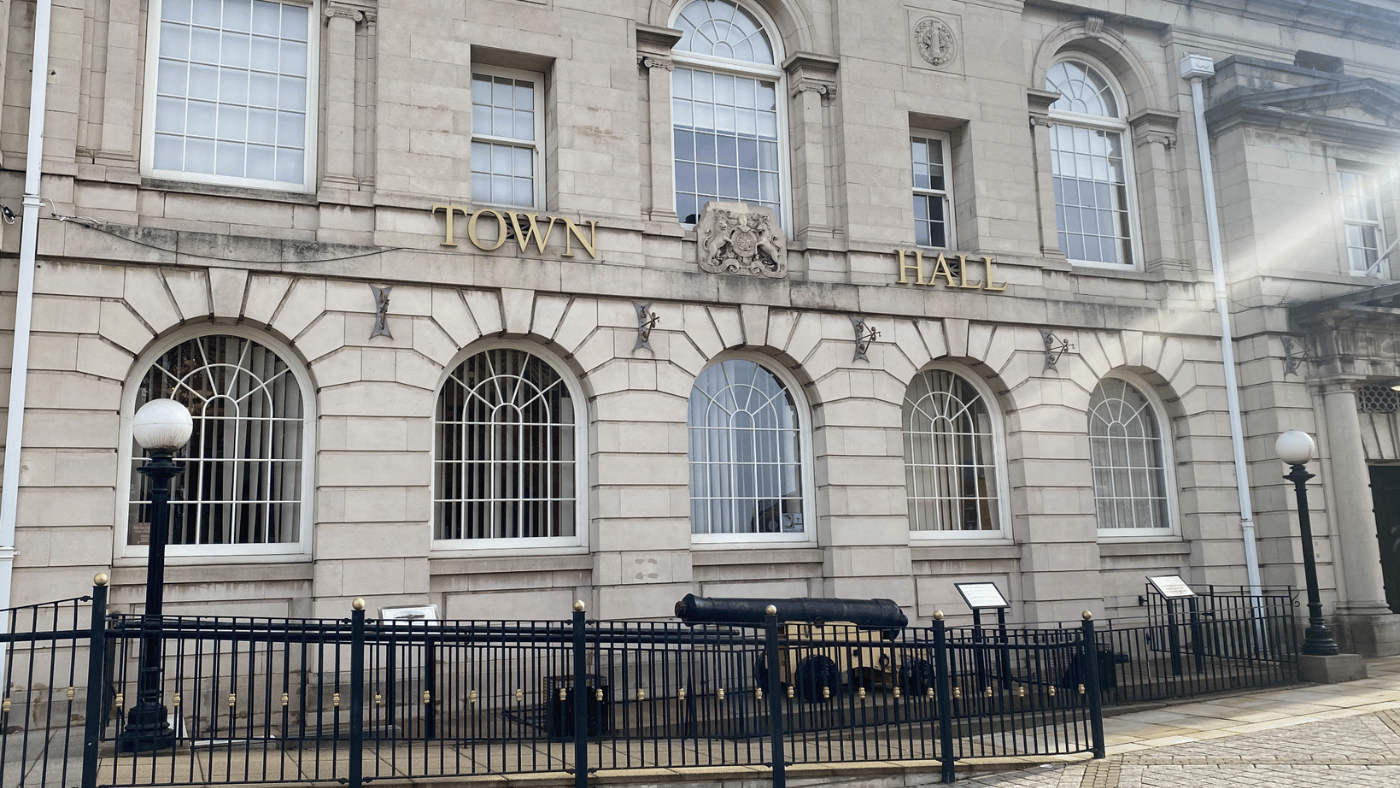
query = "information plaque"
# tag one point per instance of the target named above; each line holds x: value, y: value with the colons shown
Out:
x: 409, y: 615
x: 982, y: 596
x: 1171, y: 587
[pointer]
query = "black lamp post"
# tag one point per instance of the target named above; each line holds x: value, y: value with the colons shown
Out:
x: 1295, y: 448
x: 162, y: 426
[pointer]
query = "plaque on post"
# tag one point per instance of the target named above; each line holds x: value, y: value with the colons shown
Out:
x: 982, y: 596
x: 1171, y: 587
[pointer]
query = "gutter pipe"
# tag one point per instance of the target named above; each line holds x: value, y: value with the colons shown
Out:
x: 24, y: 298
x: 1196, y: 69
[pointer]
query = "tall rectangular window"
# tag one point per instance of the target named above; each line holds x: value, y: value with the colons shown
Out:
x: 231, y: 92
x: 933, y: 205
x: 1361, y: 217
x: 507, y: 130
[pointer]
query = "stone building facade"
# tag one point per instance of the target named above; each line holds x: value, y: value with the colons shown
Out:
x: 498, y: 304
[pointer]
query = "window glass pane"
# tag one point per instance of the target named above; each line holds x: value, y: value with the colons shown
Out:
x: 744, y: 452
x: 1126, y: 454
x: 243, y: 463
x: 218, y: 60
x: 950, y: 469
x: 505, y: 464
x: 723, y: 29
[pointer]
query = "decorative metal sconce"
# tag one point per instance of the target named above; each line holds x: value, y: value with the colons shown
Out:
x: 1055, y: 348
x: 1291, y: 360
x: 646, y: 321
x: 865, y: 334
x: 381, y: 311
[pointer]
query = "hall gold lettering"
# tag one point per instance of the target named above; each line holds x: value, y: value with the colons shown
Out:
x: 571, y: 231
x: 940, y: 268
x: 531, y: 230
x: 448, y: 211
x: 943, y: 271
x: 988, y: 284
x: 917, y: 268
x: 962, y: 275
x: 500, y: 230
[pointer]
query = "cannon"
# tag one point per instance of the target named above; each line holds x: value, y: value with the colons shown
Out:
x: 814, y: 663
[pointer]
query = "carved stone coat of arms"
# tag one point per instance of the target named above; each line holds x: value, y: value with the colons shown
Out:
x: 735, y: 238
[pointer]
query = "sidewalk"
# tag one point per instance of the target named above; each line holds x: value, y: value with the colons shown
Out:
x: 1309, y: 735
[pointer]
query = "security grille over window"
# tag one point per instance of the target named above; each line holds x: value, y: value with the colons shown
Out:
x: 745, y: 452
x: 1125, y: 448
x: 950, y: 466
x: 505, y: 461
x: 1377, y: 399
x: 243, y: 464
x: 231, y: 90
x: 1093, y: 200
x: 725, y: 109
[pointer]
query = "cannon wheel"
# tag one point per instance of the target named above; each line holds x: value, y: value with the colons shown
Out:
x: 817, y: 672
x: 916, y: 677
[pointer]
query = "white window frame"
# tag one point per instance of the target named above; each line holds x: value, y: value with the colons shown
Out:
x: 946, y: 193
x: 1370, y: 189
x: 1171, y: 530
x: 312, y: 104
x: 530, y: 545
x: 536, y: 146
x: 804, y: 436
x: 750, y: 70
x: 1118, y: 125
x: 235, y: 553
x: 1003, y: 498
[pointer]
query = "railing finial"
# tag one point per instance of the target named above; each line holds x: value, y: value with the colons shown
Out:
x: 101, y: 579
x: 358, y: 603
x: 1087, y: 614
x: 579, y: 606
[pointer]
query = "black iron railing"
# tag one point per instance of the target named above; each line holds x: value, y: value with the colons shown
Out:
x: 254, y: 700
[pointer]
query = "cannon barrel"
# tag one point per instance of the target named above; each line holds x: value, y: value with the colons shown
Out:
x: 882, y: 614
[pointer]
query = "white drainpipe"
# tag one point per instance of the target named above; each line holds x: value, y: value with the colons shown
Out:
x: 1195, y: 69
x: 24, y: 299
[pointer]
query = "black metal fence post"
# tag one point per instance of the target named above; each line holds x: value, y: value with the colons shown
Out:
x: 775, y: 697
x: 1091, y: 684
x: 580, y: 710
x: 944, y: 679
x: 357, y: 693
x: 97, y: 651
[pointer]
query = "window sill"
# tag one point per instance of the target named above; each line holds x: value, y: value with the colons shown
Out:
x: 137, y: 557
x: 1120, y: 546
x: 221, y: 190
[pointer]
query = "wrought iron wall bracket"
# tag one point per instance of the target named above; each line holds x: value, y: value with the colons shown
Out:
x: 1295, y: 354
x: 1055, y: 348
x: 646, y: 321
x: 865, y: 334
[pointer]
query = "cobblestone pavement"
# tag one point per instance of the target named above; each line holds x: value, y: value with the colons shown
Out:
x: 1338, y: 735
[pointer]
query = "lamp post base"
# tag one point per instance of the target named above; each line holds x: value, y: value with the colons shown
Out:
x: 147, y: 729
x: 1331, y: 670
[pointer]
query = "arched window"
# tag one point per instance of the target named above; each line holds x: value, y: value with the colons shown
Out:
x: 507, y: 443
x: 1092, y: 167
x: 746, y: 468
x: 952, y: 450
x: 1129, y: 458
x: 727, y: 110
x: 246, y: 468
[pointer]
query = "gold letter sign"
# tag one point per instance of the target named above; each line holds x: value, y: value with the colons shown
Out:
x: 526, y: 229
x: 942, y: 271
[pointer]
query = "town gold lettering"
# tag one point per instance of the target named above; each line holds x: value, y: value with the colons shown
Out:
x: 942, y: 272
x: 527, y: 229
